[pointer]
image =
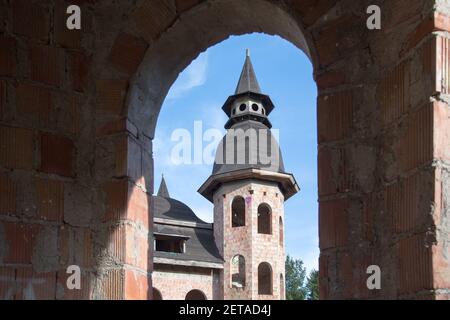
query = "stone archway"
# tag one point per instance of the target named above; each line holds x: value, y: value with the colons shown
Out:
x: 383, y: 182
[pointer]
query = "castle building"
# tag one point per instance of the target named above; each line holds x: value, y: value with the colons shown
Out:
x: 241, y: 254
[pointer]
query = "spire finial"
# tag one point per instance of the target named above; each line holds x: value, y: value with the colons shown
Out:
x: 247, y: 81
x: 162, y: 191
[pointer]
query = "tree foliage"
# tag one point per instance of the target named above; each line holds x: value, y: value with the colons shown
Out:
x: 312, y: 285
x: 298, y: 286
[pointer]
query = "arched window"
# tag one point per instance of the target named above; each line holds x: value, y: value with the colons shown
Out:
x: 157, y: 294
x: 264, y: 278
x: 238, y: 212
x: 281, y: 231
x: 264, y: 219
x: 282, y: 293
x: 195, y: 295
x: 238, y: 271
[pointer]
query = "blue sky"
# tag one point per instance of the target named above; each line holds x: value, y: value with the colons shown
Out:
x: 285, y: 73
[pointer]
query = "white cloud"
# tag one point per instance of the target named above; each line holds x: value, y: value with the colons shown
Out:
x: 193, y: 76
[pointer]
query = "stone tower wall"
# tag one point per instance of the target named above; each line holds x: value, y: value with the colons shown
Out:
x: 246, y: 241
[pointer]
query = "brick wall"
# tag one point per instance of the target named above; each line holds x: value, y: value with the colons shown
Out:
x: 246, y: 241
x: 175, y: 282
x: 78, y: 113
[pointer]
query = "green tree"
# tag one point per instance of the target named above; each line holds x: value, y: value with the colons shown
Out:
x: 312, y: 285
x: 295, y: 279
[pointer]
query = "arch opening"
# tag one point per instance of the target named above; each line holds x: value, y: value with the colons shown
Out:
x: 196, y: 31
x: 195, y: 295
x: 265, y: 282
x: 264, y: 219
x: 281, y: 231
x: 238, y: 212
x: 157, y: 294
x: 238, y: 271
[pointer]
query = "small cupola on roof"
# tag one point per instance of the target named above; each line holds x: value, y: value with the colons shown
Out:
x: 248, y: 103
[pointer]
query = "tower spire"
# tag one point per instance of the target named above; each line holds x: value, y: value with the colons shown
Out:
x: 247, y: 81
x: 162, y: 191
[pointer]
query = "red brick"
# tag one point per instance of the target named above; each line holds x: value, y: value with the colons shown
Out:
x: 111, y: 95
x: 31, y: 19
x: 323, y: 276
x: 46, y: 65
x: 80, y: 65
x: 184, y: 5
x: 441, y: 265
x: 335, y: 115
x: 7, y: 283
x: 154, y: 16
x: 312, y: 10
x: 50, y: 195
x: 113, y: 285
x: 333, y: 176
x: 415, y: 146
x: 16, y: 148
x: 441, y: 130
x: 76, y: 247
x: 398, y: 13
x: 403, y: 204
x: 117, y: 243
x: 35, y: 286
x: 333, y: 224
x: 346, y: 278
x: 7, y: 56
x: 138, y: 205
x: 34, y: 102
x: 127, y: 53
x: 57, y: 155
x: 2, y: 99
x: 128, y: 159
x: 368, y: 226
x: 415, y: 265
x: 116, y: 200
x: 21, y: 239
x: 117, y: 126
x: 137, y: 253
x: 8, y: 193
x: 435, y: 22
x: 136, y: 285
x: 330, y: 79
x: 393, y: 93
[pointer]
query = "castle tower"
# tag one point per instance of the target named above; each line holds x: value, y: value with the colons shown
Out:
x: 248, y: 187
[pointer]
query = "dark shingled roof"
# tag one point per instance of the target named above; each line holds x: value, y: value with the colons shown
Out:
x: 247, y: 80
x: 199, y: 247
x: 168, y: 208
x: 221, y: 166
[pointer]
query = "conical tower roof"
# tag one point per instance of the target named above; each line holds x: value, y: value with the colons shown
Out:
x: 162, y: 191
x: 247, y: 81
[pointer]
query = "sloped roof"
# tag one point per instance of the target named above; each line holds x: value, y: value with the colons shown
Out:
x: 200, y: 245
